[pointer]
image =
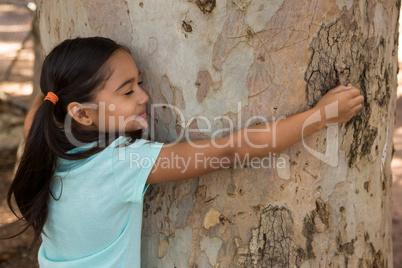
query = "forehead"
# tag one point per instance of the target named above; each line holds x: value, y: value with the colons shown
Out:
x: 122, y: 63
x: 121, y: 67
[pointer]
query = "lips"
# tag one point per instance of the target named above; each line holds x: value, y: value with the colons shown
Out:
x: 143, y: 114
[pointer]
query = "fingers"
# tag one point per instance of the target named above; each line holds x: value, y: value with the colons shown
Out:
x: 357, y: 100
x: 349, y: 98
x: 352, y: 112
x: 356, y: 104
x: 351, y: 93
x: 350, y: 90
x: 354, y: 92
x: 341, y: 88
x: 357, y: 108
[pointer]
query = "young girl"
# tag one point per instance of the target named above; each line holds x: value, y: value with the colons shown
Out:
x: 77, y: 186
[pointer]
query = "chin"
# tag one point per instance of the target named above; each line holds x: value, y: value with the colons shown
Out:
x: 135, y: 128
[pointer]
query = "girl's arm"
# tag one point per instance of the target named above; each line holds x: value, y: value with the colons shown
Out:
x: 29, y: 118
x: 189, y: 160
x: 284, y: 133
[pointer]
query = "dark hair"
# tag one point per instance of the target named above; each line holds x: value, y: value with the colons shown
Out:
x: 75, y: 70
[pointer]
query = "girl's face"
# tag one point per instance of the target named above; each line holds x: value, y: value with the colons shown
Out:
x: 121, y: 103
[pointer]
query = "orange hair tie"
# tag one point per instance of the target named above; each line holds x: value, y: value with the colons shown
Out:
x: 52, y: 97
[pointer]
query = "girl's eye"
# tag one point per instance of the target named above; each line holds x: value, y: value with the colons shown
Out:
x: 131, y: 91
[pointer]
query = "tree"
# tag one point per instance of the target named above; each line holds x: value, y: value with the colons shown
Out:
x: 240, y: 59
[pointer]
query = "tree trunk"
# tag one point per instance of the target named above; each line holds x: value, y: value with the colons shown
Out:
x: 324, y: 202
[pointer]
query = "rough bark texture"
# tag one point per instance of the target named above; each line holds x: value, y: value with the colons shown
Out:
x: 242, y: 58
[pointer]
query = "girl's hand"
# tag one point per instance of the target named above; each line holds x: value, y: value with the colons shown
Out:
x: 340, y: 104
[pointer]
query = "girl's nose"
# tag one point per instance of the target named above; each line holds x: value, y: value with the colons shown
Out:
x: 143, y: 98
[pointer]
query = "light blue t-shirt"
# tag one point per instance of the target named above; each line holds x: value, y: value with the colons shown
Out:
x: 97, y: 219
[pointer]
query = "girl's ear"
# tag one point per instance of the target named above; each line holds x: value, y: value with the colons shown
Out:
x: 79, y: 113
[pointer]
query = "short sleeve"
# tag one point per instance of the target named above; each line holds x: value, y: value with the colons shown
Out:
x: 132, y: 165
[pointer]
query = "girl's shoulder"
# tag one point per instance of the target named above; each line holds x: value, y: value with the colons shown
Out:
x: 66, y: 164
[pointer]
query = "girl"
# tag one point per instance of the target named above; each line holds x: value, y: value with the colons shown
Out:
x: 77, y: 185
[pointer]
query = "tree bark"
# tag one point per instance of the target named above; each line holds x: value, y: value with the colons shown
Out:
x: 244, y: 58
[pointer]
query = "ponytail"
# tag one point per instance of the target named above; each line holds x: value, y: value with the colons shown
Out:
x: 31, y: 185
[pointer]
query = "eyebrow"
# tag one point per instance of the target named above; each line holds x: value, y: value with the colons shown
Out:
x: 127, y: 82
